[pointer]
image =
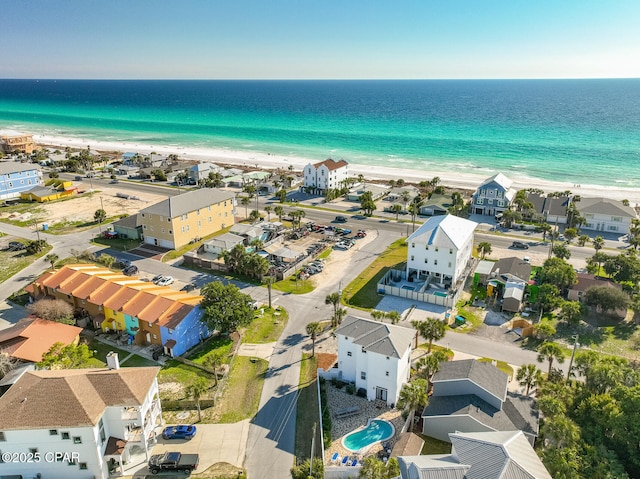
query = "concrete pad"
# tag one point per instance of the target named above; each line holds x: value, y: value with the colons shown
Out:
x: 402, y: 305
x: 262, y: 351
x: 10, y: 314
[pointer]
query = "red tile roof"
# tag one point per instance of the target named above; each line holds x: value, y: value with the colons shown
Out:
x: 331, y: 164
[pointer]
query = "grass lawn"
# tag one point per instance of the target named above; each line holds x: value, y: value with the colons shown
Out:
x: 66, y: 227
x: 290, y: 285
x: 15, y: 261
x: 307, y: 410
x: 241, y: 397
x: 325, y: 254
x: 501, y: 365
x: 267, y: 327
x: 436, y: 347
x: 434, y: 446
x: 100, y: 351
x: 117, y: 243
x: 136, y: 361
x: 471, y: 315
x: 177, y: 372
x: 362, y: 292
x: 223, y: 344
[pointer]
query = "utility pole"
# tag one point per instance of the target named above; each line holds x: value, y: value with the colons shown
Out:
x: 573, y: 353
x: 37, y: 230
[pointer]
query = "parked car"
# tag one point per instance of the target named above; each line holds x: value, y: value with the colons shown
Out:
x: 110, y: 234
x: 114, y: 182
x: 130, y: 270
x: 16, y: 246
x: 340, y: 219
x: 166, y: 281
x: 519, y: 245
x: 157, y: 278
x: 361, y: 234
x: 173, y: 461
x: 179, y: 432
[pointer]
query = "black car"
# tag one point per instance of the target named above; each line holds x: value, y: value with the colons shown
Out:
x: 340, y: 219
x: 519, y: 245
x: 130, y: 270
x: 16, y: 246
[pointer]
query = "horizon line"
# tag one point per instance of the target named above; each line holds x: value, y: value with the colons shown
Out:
x: 325, y: 79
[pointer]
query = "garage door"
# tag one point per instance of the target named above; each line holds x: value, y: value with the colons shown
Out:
x: 166, y: 244
x: 150, y: 240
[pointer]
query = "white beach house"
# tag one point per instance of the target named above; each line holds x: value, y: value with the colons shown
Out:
x: 440, y: 250
x: 326, y: 175
x: 606, y: 215
x: 375, y: 356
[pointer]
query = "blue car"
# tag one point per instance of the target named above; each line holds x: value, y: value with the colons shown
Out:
x: 179, y: 432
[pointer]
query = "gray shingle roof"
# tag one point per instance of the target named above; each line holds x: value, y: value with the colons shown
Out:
x: 514, y: 266
x: 16, y: 167
x: 189, y: 201
x: 381, y: 338
x: 484, y: 375
x: 604, y: 206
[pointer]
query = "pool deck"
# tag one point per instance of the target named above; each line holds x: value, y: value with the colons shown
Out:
x: 339, y: 399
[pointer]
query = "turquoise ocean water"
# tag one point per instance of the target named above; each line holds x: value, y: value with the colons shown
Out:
x: 577, y: 131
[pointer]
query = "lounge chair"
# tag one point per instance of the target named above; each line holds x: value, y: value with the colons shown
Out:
x: 354, y: 462
x: 345, y: 460
x: 335, y: 457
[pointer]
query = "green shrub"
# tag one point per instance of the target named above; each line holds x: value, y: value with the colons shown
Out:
x: 351, y: 388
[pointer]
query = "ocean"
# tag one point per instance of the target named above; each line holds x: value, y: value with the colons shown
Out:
x: 576, y: 131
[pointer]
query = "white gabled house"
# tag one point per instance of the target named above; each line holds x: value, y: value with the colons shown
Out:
x: 326, y: 175
x: 81, y: 422
x: 375, y: 356
x: 605, y: 214
x: 440, y: 250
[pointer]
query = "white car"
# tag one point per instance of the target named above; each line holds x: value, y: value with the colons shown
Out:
x: 166, y: 281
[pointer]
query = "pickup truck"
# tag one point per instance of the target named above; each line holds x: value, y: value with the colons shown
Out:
x: 173, y: 461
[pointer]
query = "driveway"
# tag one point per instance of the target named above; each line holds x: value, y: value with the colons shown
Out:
x: 10, y: 314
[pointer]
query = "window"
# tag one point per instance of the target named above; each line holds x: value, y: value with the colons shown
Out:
x: 199, y: 224
x: 187, y: 227
x: 349, y: 353
x: 53, y: 432
x: 209, y: 219
x: 435, y: 261
x: 162, y: 230
x: 413, y: 245
x: 77, y: 440
x: 150, y: 325
x: 412, y: 258
x: 144, y: 227
x: 363, y: 375
x: 83, y: 466
x: 449, y: 264
x: 364, y: 351
x: 386, y: 373
x: 155, y: 336
x: 480, y: 201
x: 616, y: 218
x: 170, y: 232
x: 450, y: 251
x: 65, y: 435
x: 426, y: 260
x: 437, y: 249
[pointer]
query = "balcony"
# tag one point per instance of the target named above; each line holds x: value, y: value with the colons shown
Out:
x: 130, y: 414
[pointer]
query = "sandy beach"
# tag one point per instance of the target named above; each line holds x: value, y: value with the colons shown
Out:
x: 267, y: 161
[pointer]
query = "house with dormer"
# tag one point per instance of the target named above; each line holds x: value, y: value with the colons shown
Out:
x: 325, y: 175
x: 472, y: 396
x: 493, y: 196
x: 375, y: 356
x: 81, y: 422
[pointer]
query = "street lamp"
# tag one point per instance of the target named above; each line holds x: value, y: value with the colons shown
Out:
x: 573, y: 353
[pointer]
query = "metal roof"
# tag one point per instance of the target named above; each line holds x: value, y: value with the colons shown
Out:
x: 381, y: 338
x: 446, y: 231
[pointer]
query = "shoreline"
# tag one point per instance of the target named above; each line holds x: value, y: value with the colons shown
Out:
x: 467, y: 181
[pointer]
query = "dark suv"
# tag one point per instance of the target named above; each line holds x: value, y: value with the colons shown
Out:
x: 130, y: 270
x: 519, y: 245
x: 340, y: 219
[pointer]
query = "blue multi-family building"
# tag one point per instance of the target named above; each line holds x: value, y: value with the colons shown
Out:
x: 16, y: 177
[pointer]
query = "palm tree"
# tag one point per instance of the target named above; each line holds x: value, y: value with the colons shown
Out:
x: 582, y: 240
x: 405, y: 196
x: 52, y: 258
x: 279, y: 210
x: 196, y: 390
x: 430, y: 329
x: 550, y: 352
x: 414, y: 209
x: 244, y: 201
x: 394, y: 316
x: 213, y: 361
x: 313, y: 329
x: 430, y: 364
x: 397, y: 209
x: 374, y: 468
x: 484, y: 248
x: 413, y: 395
x: 598, y: 243
x: 100, y: 215
x: 268, y: 209
x: 528, y: 375
x: 334, y: 300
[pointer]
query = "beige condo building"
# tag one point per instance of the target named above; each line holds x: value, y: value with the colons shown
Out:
x: 178, y: 220
x: 14, y: 141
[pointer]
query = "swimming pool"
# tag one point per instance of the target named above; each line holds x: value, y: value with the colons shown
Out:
x: 410, y: 288
x: 376, y: 430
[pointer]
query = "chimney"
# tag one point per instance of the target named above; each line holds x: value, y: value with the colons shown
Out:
x: 112, y: 360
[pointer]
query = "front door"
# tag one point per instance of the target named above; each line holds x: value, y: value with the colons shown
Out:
x: 381, y: 394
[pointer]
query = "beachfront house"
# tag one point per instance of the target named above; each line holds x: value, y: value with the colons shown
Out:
x: 493, y: 196
x: 436, y: 205
x: 12, y: 141
x: 178, y: 220
x: 552, y: 209
x: 17, y: 177
x: 605, y: 215
x: 325, y: 175
x: 81, y: 422
x: 472, y: 396
x: 375, y: 356
x: 201, y: 171
x: 486, y: 455
x: 440, y: 250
